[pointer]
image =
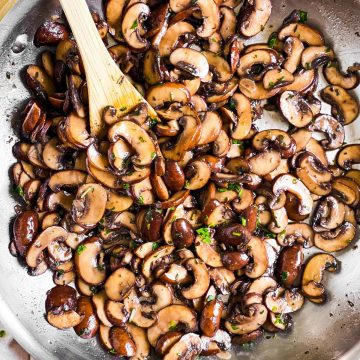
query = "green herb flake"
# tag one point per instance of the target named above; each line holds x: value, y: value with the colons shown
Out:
x: 19, y: 190
x: 262, y: 27
x: 89, y: 189
x: 133, y: 244
x: 204, y: 234
x: 328, y: 49
x: 303, y: 16
x: 221, y: 190
x: 294, y: 181
x: 123, y: 108
x: 210, y: 298
x: 284, y: 275
x: 155, y: 246
x: 214, y: 40
x: 236, y: 187
x: 172, y: 325
x: 278, y: 319
x: 94, y: 289
x: 235, y: 233
x: 307, y: 66
x: 134, y: 24
x: 234, y: 327
x: 272, y: 41
x: 187, y: 184
x: 236, y: 142
x: 141, y: 139
x: 126, y: 186
x: 81, y: 248
x: 141, y: 200
x: 153, y: 155
x: 232, y: 105
x: 112, y: 351
x: 243, y: 221
x: 274, y: 308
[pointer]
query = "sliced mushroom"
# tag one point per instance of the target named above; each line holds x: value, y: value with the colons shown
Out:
x: 169, y: 318
x: 191, y: 61
x: 312, y: 286
x: 138, y: 138
x: 89, y: 325
x: 254, y: 16
x: 343, y: 106
x: 263, y: 57
x: 315, y: 56
x: 334, y: 131
x: 255, y: 317
x: 297, y: 232
x: 132, y: 26
x: 259, y: 263
x: 277, y: 78
x: 304, y: 32
x: 304, y: 81
x: 334, y: 76
x: 211, y: 18
x: 283, y: 301
x: 219, y: 67
x: 295, y: 109
x: 89, y: 261
x: 201, y: 280
x: 122, y: 342
x: 188, y: 347
x: 294, y: 48
x: 295, y: 186
x: 119, y: 283
x: 141, y: 342
x: 348, y: 156
x: 256, y: 91
x: 42, y: 241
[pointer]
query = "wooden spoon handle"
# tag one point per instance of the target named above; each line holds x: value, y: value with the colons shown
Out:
x: 96, y: 59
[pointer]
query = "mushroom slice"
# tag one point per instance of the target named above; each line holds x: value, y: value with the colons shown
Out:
x: 117, y: 202
x: 257, y: 251
x: 162, y: 297
x: 240, y: 324
x: 348, y: 156
x: 346, y: 190
x: 315, y: 56
x: 315, y: 148
x: 170, y: 318
x: 208, y: 253
x: 336, y: 240
x: 334, y: 76
x: 64, y: 320
x: 119, y: 284
x: 343, y: 106
x: 188, y: 347
x: 293, y: 185
x: 185, y: 141
x: 211, y: 18
x: 276, y: 139
x: 255, y: 90
x: 254, y: 15
x: 256, y: 290
x: 199, y: 173
x: 297, y: 232
x: 119, y: 155
x: 76, y: 131
x: 277, y: 78
x: 334, y: 131
x: 313, y: 174
x: 191, y: 61
x: 141, y: 342
x: 222, y: 144
x: 244, y: 116
x: 301, y: 138
x: 264, y: 162
x: 39, y: 82
x: 132, y: 26
x: 138, y: 138
x: 42, y: 241
x: 201, y: 280
x: 158, y: 96
x: 219, y: 67
x: 295, y: 109
x: 106, y: 178
x: 304, y: 81
x: 153, y: 258
x: 228, y: 23
x: 97, y: 159
x: 293, y: 47
x: 62, y: 199
x: 89, y: 261
x: 262, y: 57
x: 113, y: 12
x: 170, y: 39
x: 281, y: 301
x: 303, y: 32
x: 53, y: 155
x: 210, y: 128
x: 312, y: 286
x: 122, y: 342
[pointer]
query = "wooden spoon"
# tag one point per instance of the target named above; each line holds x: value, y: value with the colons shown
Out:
x: 106, y: 83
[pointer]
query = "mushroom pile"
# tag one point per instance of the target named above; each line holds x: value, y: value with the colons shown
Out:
x: 186, y: 233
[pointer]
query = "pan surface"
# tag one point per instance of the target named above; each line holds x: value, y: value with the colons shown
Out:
x: 330, y: 331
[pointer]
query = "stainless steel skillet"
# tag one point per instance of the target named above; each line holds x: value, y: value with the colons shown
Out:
x: 330, y: 331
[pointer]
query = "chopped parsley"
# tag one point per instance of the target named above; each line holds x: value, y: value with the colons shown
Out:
x: 81, y: 248
x: 272, y: 41
x: 123, y: 108
x: 274, y: 308
x: 303, y: 16
x: 94, y: 289
x: 236, y: 187
x: 278, y: 319
x: 294, y: 181
x: 141, y: 200
x: 153, y: 155
x: 232, y: 105
x: 134, y: 25
x: 133, y: 244
x: 328, y: 49
x: 187, y: 184
x: 284, y: 275
x: 2, y: 333
x: 141, y: 139
x: 243, y: 221
x: 204, y: 234
x: 155, y: 246
x: 151, y: 122
x: 210, y: 298
x: 277, y: 82
x: 19, y: 190
x: 172, y: 325
x: 234, y: 327
x: 125, y: 186
x: 112, y: 351
x: 235, y: 233
x: 90, y: 188
x: 236, y: 142
x: 221, y: 190
x: 307, y: 66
